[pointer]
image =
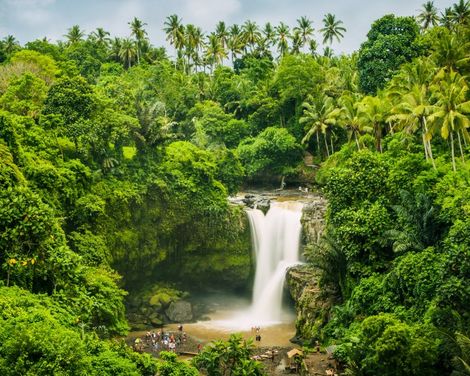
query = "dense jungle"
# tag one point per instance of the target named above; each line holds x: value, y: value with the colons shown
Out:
x: 117, y: 159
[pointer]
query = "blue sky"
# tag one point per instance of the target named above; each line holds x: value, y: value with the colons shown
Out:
x: 31, y: 19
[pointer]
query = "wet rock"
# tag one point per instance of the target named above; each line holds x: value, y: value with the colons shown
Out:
x: 263, y: 205
x: 179, y: 311
x: 313, y: 219
x: 249, y: 200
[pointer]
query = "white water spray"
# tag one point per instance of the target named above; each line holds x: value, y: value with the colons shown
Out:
x: 276, y: 239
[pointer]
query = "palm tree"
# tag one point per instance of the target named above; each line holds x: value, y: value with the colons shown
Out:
x: 74, y: 34
x: 139, y: 33
x: 174, y: 32
x: 101, y: 37
x: 251, y: 33
x: 222, y: 32
x: 447, y: 18
x: 349, y: 117
x: 115, y: 49
x: 374, y: 111
x: 411, y: 114
x: 318, y: 116
x: 312, y: 47
x: 10, y: 44
x: 296, y: 42
x: 450, y: 112
x: 282, y: 36
x: 269, y: 34
x: 193, y: 43
x: 332, y: 28
x: 128, y: 51
x: 461, y: 12
x: 215, y: 51
x: 235, y: 41
x: 428, y: 16
x: 304, y: 27
x: 409, y: 90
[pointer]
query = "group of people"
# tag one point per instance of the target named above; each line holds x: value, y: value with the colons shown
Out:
x: 160, y: 340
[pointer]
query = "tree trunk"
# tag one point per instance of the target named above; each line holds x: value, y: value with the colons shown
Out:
x: 331, y: 143
x: 427, y: 145
x: 357, y: 141
x: 318, y: 145
x: 452, y: 150
x: 460, y: 146
x: 326, y: 145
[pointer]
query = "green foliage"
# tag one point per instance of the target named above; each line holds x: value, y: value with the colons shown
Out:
x: 387, y: 346
x: 391, y: 42
x: 273, y: 151
x: 228, y: 358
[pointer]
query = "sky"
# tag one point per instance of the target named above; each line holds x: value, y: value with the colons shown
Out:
x: 28, y: 20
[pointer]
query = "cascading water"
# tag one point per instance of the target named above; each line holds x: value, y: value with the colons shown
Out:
x: 276, y: 239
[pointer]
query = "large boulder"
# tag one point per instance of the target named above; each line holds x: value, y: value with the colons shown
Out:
x: 179, y: 311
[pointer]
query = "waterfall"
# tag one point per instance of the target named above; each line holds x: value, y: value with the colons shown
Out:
x: 276, y: 239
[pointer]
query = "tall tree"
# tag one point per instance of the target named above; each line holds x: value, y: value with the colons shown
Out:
x: 332, y: 28
x: 139, y: 33
x: 428, y: 16
x: 282, y: 37
x: 305, y: 28
x: 251, y: 34
x: 215, y: 51
x: 235, y: 42
x: 319, y: 116
x: 74, y: 34
x: 174, y: 33
x: 101, y: 37
x: 374, y: 110
x: 349, y: 118
x: 269, y: 34
x: 127, y: 52
x: 461, y: 12
x: 10, y: 44
x: 449, y: 114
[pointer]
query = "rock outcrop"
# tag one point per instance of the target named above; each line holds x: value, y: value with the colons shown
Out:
x: 311, y: 302
x: 179, y: 311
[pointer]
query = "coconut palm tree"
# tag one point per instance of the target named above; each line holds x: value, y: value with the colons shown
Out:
x: 374, y: 111
x: 74, y: 34
x: 193, y: 44
x: 318, y: 116
x: 127, y: 52
x: 174, y: 32
x: 447, y: 18
x: 115, y: 49
x: 10, y: 44
x: 332, y: 28
x: 461, y: 12
x: 312, y: 47
x: 449, y: 114
x: 139, y: 33
x: 304, y: 27
x: 428, y: 16
x: 349, y: 118
x: 282, y: 38
x: 251, y: 34
x: 235, y: 42
x: 296, y: 42
x: 215, y: 51
x: 269, y: 34
x: 411, y: 114
x: 222, y: 32
x: 101, y: 37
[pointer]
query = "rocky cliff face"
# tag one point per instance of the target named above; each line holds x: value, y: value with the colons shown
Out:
x: 311, y: 302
